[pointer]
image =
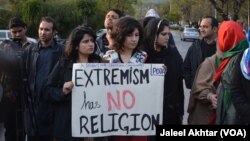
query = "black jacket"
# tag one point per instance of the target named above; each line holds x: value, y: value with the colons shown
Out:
x: 241, y: 94
x: 39, y: 110
x: 173, y: 102
x: 61, y: 73
x: 196, y: 54
x: 62, y: 118
x: 192, y: 60
x: 101, y: 47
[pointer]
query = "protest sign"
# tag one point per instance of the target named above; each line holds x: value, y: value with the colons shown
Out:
x: 116, y: 99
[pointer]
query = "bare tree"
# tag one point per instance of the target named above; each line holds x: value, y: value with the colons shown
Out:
x: 220, y: 8
x: 236, y: 8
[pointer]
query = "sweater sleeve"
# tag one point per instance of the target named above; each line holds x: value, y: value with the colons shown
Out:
x: 203, y: 81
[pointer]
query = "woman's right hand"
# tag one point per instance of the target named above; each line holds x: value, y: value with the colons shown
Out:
x: 67, y: 87
x: 213, y: 98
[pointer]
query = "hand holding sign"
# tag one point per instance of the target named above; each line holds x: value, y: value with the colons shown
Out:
x: 67, y: 87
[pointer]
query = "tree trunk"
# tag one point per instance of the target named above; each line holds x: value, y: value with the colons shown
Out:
x: 236, y: 8
x: 219, y: 9
x: 237, y: 4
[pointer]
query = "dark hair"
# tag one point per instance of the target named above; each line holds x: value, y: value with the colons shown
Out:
x: 214, y: 22
x: 74, y: 39
x: 16, y: 22
x: 146, y: 20
x: 153, y: 29
x: 117, y: 11
x: 124, y: 27
x: 49, y: 20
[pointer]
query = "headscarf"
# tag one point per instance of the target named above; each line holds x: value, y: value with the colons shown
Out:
x: 152, y: 13
x: 245, y: 64
x: 232, y: 41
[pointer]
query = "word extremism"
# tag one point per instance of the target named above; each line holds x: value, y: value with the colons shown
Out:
x: 106, y: 77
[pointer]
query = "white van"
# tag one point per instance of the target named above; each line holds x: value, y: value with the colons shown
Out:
x: 4, y: 34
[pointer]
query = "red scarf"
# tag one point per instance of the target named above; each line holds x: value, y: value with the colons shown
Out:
x: 231, y: 41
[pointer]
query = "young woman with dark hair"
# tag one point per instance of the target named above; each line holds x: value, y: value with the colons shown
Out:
x: 156, y: 37
x: 80, y: 48
x: 127, y: 35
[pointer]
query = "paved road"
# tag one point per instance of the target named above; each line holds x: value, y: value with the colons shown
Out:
x: 182, y: 46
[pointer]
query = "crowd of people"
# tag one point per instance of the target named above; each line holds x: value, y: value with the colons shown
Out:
x: 215, y: 69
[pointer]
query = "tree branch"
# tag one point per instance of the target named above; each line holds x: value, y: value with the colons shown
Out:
x: 219, y: 9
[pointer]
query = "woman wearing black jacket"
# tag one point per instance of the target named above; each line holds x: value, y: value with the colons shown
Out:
x: 80, y: 48
x: 156, y: 37
x: 241, y: 87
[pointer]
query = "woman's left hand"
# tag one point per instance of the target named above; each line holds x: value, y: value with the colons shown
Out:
x: 165, y: 69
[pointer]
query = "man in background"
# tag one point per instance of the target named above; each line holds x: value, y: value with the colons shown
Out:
x: 40, y: 61
x: 12, y: 104
x: 18, y: 30
x: 200, y: 49
x: 103, y: 43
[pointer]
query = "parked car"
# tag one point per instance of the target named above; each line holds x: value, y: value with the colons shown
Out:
x: 32, y: 39
x: 174, y: 26
x: 184, y: 26
x: 5, y: 35
x: 190, y: 33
